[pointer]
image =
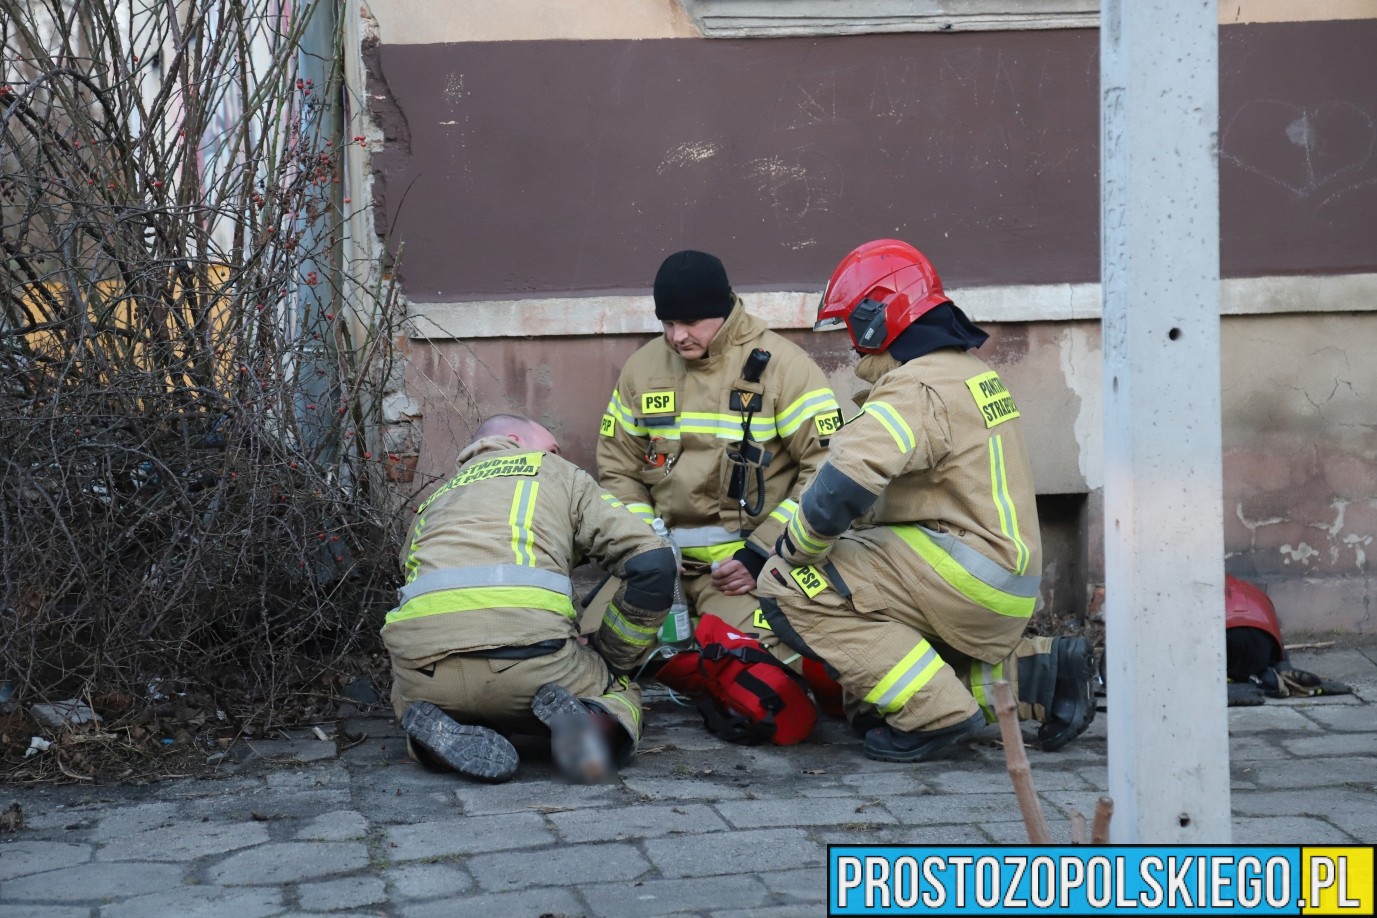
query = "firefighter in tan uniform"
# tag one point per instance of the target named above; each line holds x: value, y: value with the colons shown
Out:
x: 484, y: 639
x: 914, y: 562
x: 716, y: 427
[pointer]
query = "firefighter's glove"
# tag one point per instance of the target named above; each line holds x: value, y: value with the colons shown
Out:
x: 1301, y: 684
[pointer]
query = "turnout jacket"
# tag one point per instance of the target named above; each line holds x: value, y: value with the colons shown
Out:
x: 488, y: 559
x: 664, y: 441
x: 937, y: 455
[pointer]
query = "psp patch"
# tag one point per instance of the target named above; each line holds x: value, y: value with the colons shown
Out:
x: 657, y: 402
x: 808, y: 580
x: 608, y: 428
x: 828, y: 424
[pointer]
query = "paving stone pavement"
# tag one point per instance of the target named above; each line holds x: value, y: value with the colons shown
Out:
x: 693, y: 827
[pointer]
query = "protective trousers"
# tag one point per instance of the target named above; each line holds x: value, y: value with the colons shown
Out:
x: 741, y: 612
x: 903, y: 642
x: 497, y: 693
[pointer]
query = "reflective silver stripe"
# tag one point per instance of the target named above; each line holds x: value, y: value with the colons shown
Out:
x: 704, y: 536
x: 485, y: 576
x: 895, y: 694
x: 983, y: 569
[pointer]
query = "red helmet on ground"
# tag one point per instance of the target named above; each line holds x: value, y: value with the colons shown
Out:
x: 1246, y: 606
x: 878, y: 291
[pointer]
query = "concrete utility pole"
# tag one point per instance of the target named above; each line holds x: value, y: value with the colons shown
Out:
x: 1164, y: 553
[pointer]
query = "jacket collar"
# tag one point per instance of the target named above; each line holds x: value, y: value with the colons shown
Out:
x: 485, y: 445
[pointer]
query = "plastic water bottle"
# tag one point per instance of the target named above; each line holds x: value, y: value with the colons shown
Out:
x: 676, y: 633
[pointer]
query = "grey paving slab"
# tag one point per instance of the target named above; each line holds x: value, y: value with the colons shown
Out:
x: 658, y: 788
x: 900, y: 835
x: 1333, y: 744
x: 646, y: 821
x: 909, y: 782
x: 1356, y: 717
x: 1266, y: 718
x: 524, y: 796
x: 529, y: 902
x: 288, y: 862
x: 756, y: 850
x: 23, y: 857
x: 340, y: 825
x: 1361, y: 824
x: 201, y: 902
x: 1254, y: 747
x: 763, y: 814
x: 1308, y: 801
x: 774, y: 911
x: 806, y: 885
x: 1359, y: 771
x: 119, y: 822
x: 427, y: 881
x: 672, y: 897
x: 92, y: 881
x: 44, y: 911
x: 1286, y: 830
x: 468, y: 835
x: 994, y: 782
x: 935, y: 809
x: 184, y: 841
x: 298, y: 750
x: 510, y: 870
x: 342, y: 894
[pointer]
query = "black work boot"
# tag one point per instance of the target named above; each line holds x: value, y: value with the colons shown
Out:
x: 1073, y: 700
x: 477, y: 752
x: 577, y: 740
x: 885, y: 744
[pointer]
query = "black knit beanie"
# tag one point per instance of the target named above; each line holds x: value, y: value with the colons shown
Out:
x: 692, y: 285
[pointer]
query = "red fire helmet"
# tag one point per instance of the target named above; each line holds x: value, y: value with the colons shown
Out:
x: 879, y: 290
x: 1246, y: 606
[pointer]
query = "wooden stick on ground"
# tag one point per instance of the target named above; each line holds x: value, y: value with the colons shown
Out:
x: 1104, y: 811
x: 1017, y: 761
x: 1077, y: 827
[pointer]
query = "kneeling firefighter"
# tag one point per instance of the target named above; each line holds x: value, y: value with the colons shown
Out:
x: 914, y: 562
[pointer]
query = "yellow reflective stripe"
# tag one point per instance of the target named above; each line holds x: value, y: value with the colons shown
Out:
x: 804, y: 407
x: 473, y: 599
x: 962, y: 580
x: 989, y: 675
x: 617, y: 408
x: 801, y: 539
x: 612, y: 500
x: 893, y: 422
x: 634, y: 634
x: 1008, y: 513
x: 644, y: 511
x: 724, y: 426
x: 413, y: 561
x: 631, y: 709
x: 913, y: 672
x: 785, y: 511
x: 713, y: 553
x: 522, y: 515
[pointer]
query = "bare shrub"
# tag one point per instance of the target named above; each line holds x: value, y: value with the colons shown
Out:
x: 189, y: 382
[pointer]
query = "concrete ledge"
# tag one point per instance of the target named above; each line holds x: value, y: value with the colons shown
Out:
x: 634, y: 315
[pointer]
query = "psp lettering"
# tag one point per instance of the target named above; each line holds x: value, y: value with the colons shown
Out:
x: 998, y: 410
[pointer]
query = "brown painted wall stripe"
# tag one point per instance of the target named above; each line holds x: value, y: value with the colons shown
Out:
x: 537, y: 168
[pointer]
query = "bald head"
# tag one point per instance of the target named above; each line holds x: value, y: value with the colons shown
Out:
x: 524, y: 431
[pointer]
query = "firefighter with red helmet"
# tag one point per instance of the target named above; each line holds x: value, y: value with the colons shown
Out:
x: 914, y: 561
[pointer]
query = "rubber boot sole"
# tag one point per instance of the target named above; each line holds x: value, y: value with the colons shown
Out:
x: 1075, y: 678
x: 580, y: 750
x: 931, y: 742
x: 476, y: 752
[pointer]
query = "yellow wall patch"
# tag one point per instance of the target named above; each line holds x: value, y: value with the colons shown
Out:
x: 828, y: 424
x: 657, y: 402
x: 608, y: 428
x: 808, y: 580
x: 994, y: 402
